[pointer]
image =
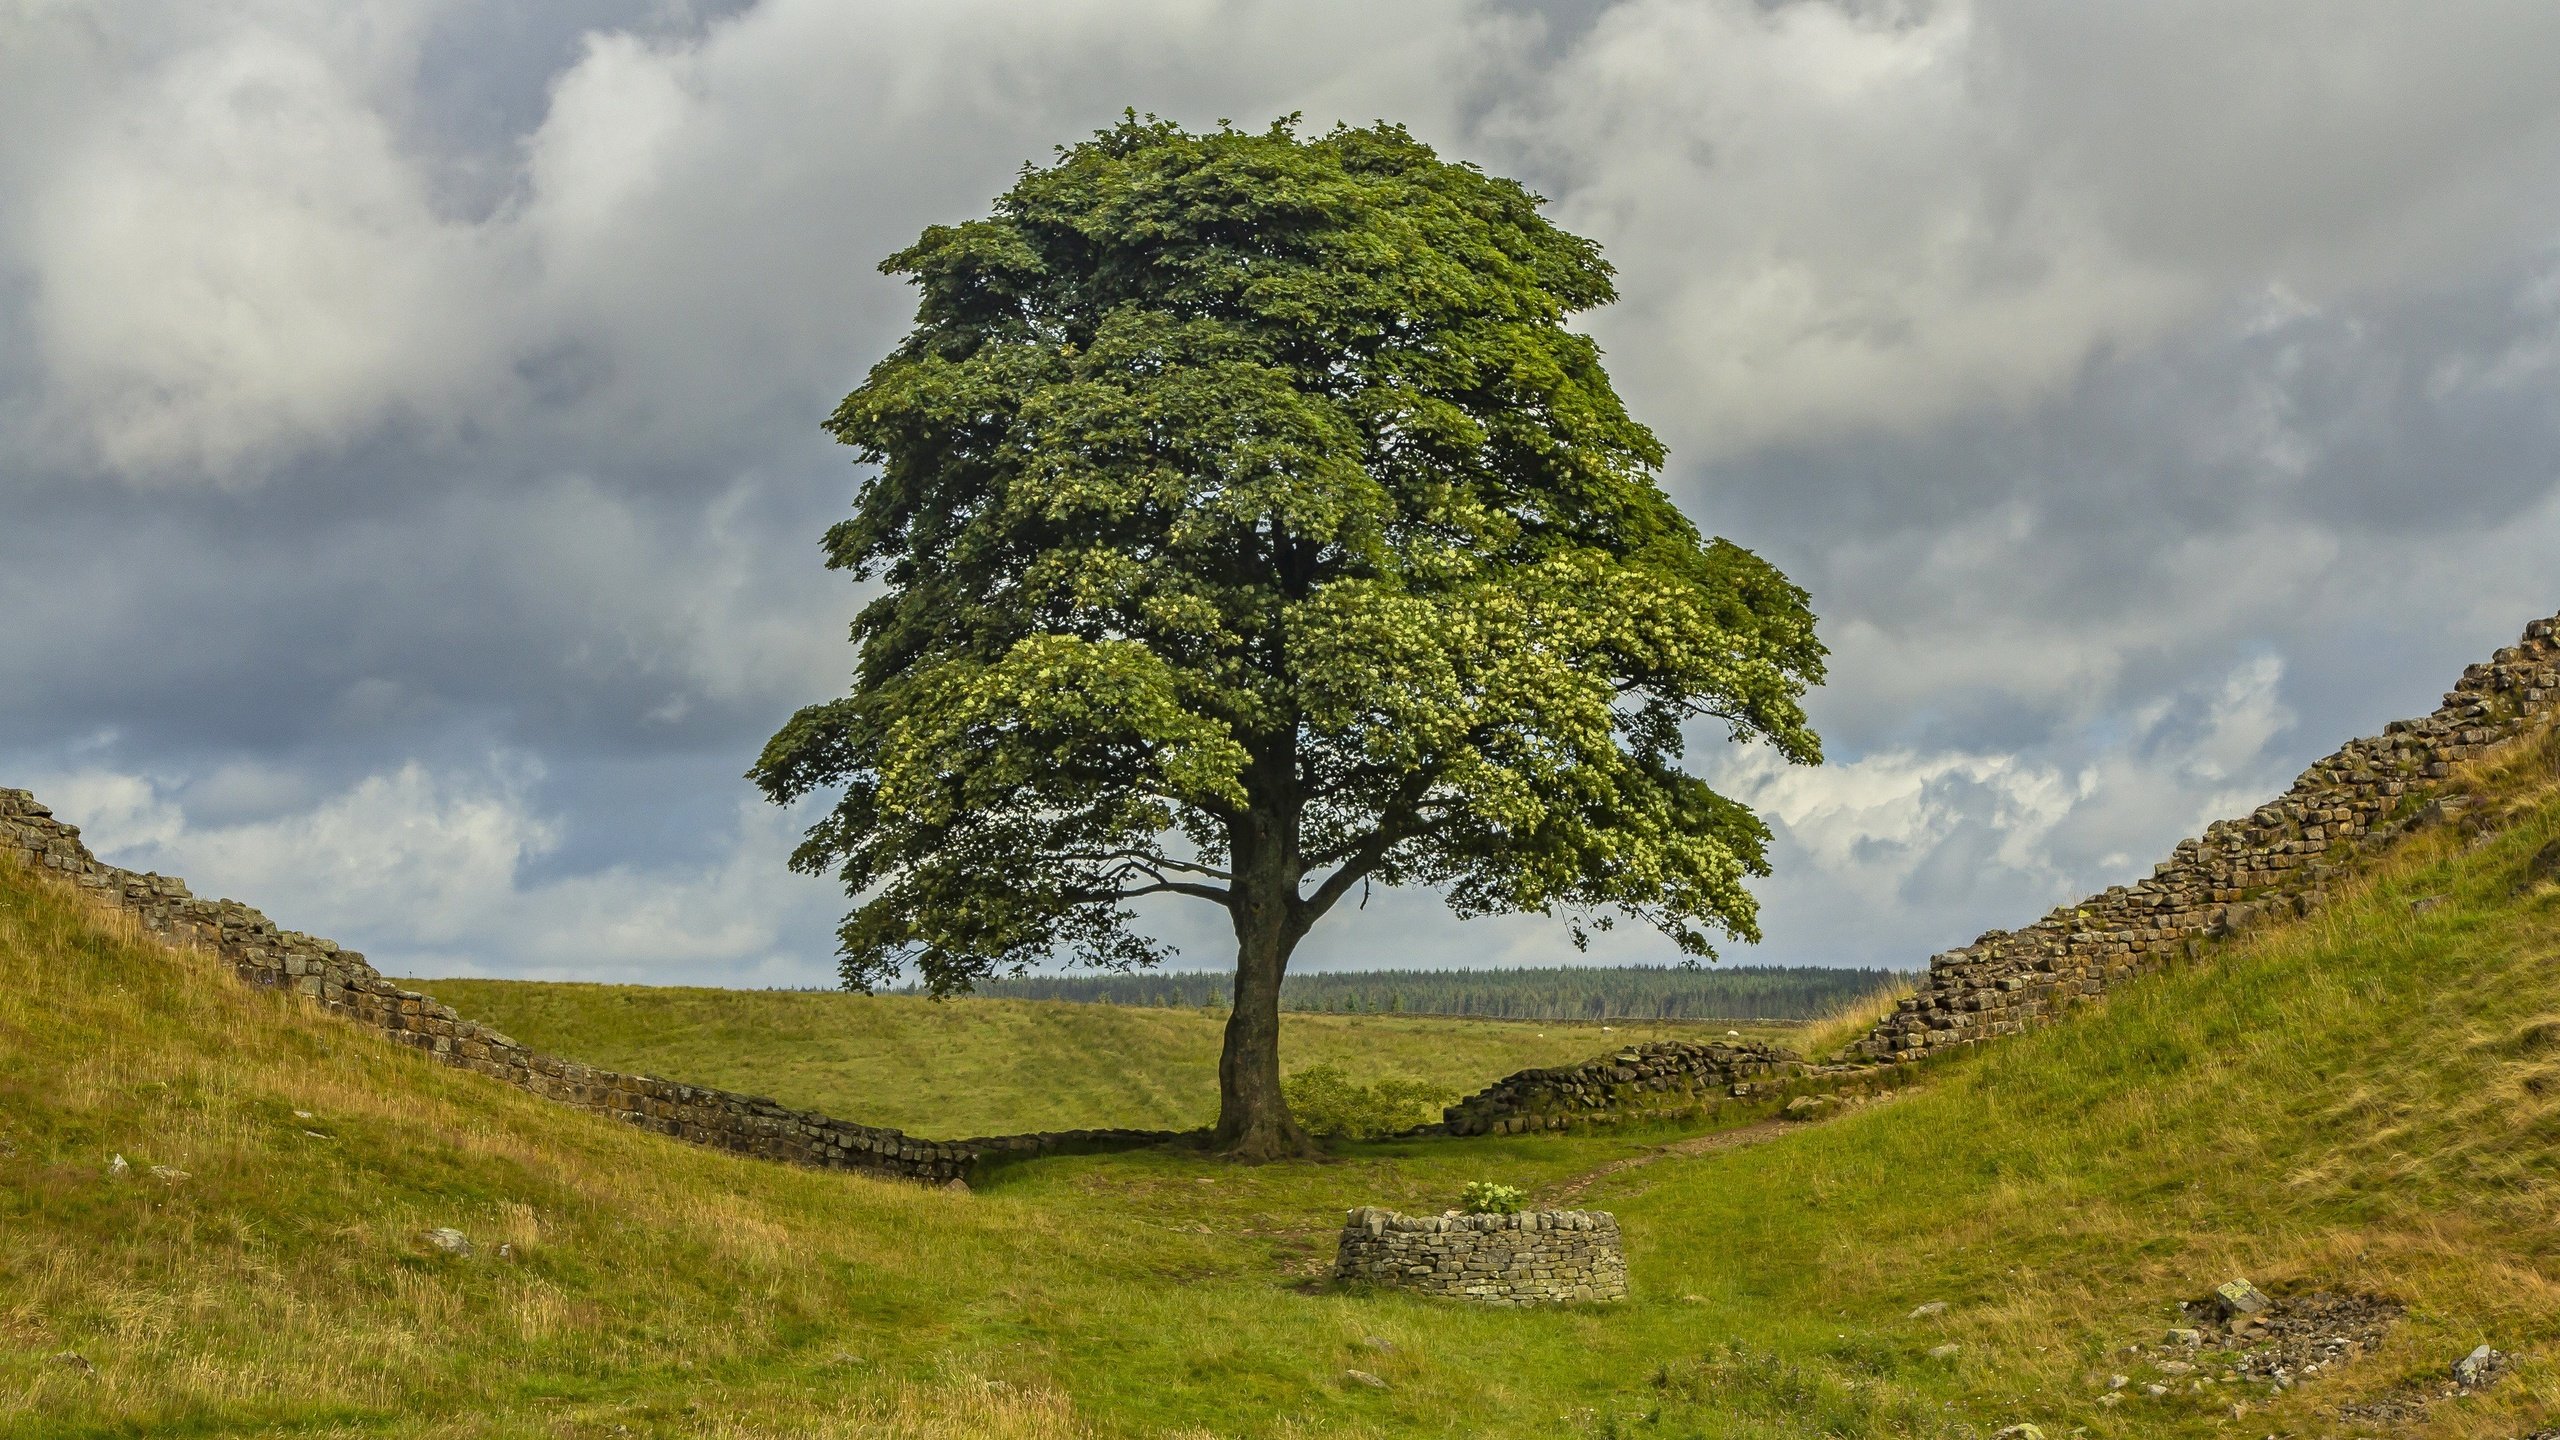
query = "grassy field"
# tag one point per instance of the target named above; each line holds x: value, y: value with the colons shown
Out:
x: 970, y: 1066
x: 2366, y: 1101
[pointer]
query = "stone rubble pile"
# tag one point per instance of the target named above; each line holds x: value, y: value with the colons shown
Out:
x: 1539, y: 1257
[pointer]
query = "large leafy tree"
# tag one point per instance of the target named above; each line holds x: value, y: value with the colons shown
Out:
x: 1251, y: 528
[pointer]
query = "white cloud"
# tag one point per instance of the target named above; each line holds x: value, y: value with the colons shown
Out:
x: 235, y: 264
x: 1893, y: 853
x: 436, y: 873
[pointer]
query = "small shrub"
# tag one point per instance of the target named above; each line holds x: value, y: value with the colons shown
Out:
x: 1491, y: 1197
x: 1329, y: 1102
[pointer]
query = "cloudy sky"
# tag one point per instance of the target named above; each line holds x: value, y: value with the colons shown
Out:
x: 411, y: 482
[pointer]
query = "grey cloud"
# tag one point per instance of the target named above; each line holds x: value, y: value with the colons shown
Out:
x: 413, y: 410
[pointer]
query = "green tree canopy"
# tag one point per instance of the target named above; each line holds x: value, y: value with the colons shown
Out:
x: 1253, y: 528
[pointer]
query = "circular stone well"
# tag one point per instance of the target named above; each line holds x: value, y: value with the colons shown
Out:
x: 1538, y: 1257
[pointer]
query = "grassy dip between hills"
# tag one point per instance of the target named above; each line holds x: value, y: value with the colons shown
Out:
x: 972, y: 1066
x: 2366, y: 1101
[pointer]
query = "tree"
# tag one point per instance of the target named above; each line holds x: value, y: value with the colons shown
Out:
x: 1252, y: 529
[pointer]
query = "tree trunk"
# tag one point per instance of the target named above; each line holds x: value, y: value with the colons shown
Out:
x: 1253, y: 1116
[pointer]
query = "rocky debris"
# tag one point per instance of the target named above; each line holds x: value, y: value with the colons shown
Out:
x: 2023, y: 1430
x: 1808, y: 1107
x: 2394, y: 1413
x: 2481, y: 1368
x: 1363, y: 1377
x: 1533, y: 1257
x: 2282, y: 1341
x: 451, y: 1241
x: 2185, y: 1335
x: 2235, y: 1298
x: 1928, y: 1309
x: 169, y: 1176
x: 1944, y: 1352
x: 118, y: 1168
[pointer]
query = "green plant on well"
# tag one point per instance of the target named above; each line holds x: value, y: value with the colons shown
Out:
x: 1328, y: 1102
x: 1251, y: 527
x: 1492, y: 1197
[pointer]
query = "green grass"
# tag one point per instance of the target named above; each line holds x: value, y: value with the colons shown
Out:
x: 971, y: 1066
x: 2369, y: 1100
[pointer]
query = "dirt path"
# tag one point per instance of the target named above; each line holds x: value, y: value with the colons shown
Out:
x: 1562, y: 1193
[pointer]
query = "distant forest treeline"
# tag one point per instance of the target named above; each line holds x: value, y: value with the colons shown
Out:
x: 1632, y: 992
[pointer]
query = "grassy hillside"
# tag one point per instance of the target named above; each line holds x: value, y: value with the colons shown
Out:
x: 974, y: 1066
x: 2367, y: 1101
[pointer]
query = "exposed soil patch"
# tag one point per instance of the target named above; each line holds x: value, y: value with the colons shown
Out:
x: 1573, y: 1188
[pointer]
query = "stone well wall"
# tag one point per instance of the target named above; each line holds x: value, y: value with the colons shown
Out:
x: 1652, y: 1076
x: 2276, y: 861
x: 1544, y: 1257
x: 341, y: 982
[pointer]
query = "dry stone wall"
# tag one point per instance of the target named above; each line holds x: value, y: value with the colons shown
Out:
x: 2276, y: 861
x: 1543, y: 1257
x: 341, y: 982
x: 1654, y: 1076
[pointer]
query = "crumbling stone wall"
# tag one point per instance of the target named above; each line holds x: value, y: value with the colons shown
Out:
x: 1659, y: 1075
x: 2276, y: 861
x: 1543, y: 1257
x: 341, y: 982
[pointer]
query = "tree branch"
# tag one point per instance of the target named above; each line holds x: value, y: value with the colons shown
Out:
x: 1149, y: 860
x: 1162, y: 887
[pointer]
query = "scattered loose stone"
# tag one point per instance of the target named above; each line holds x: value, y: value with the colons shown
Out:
x: 1934, y: 1307
x: 2023, y: 1430
x: 2118, y: 1382
x: 2184, y: 1335
x: 1944, y: 1352
x: 1363, y: 1377
x: 450, y: 1241
x: 2155, y: 1389
x: 2238, y: 1297
x: 1806, y: 1107
x: 2480, y: 1369
x: 118, y: 1168
x: 171, y: 1176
